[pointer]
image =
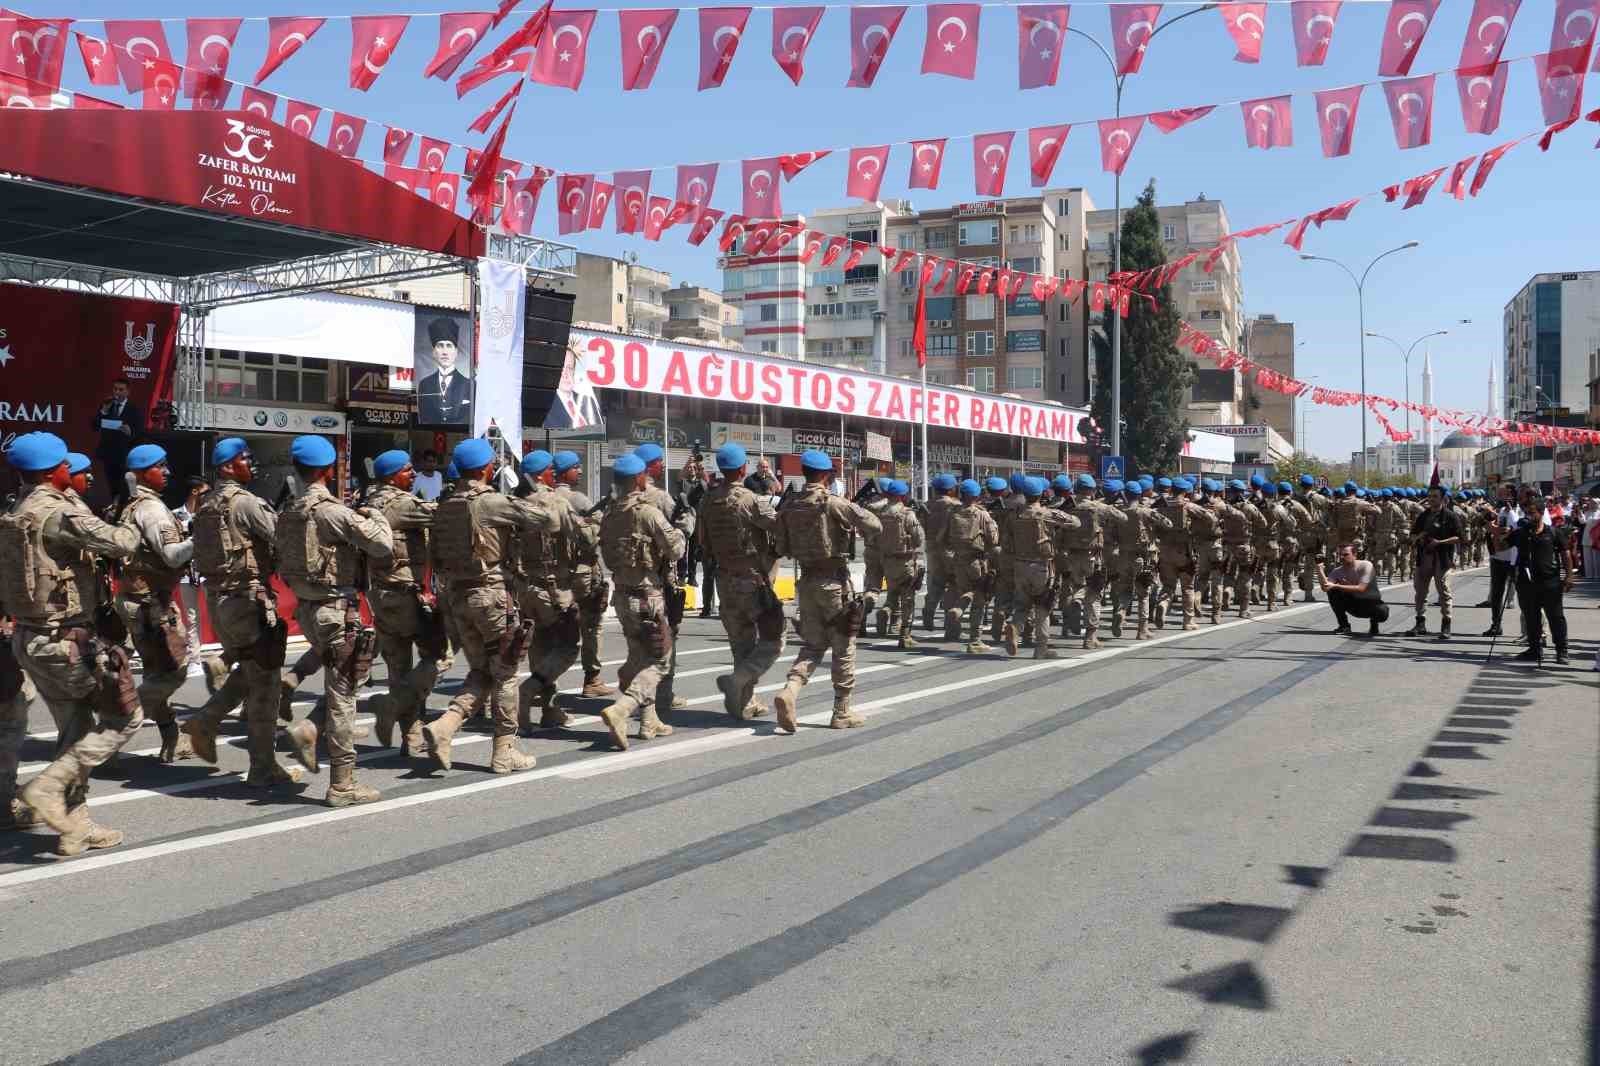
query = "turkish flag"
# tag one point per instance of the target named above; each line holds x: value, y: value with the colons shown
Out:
x: 396, y: 143
x: 372, y: 42
x: 906, y: 261
x: 1041, y: 28
x: 300, y: 117
x: 951, y: 46
x: 985, y: 280
x: 1487, y: 31
x: 445, y: 190
x: 927, y: 157
x: 782, y: 237
x: 865, y: 176
x: 563, y: 49
x: 702, y: 228
x: 1268, y: 122
x: 1313, y: 22
x: 835, y: 248
x: 696, y: 183
x: 482, y: 123
x: 795, y: 162
x: 872, y: 30
x: 459, y: 33
x: 644, y: 35
x: 1490, y: 158
x: 1044, y: 148
x: 524, y: 36
x: 1336, y: 118
x: 964, y: 281
x: 919, y: 318
x: 1573, y: 26
x: 285, y: 37
x: 599, y: 204
x: 85, y: 102
x: 572, y: 202
x: 1482, y: 89
x: 1117, y: 138
x: 949, y: 272
x: 17, y: 91
x: 1167, y: 121
x: 160, y: 89
x: 408, y: 178
x: 136, y: 46
x: 1457, y: 184
x: 853, y: 259
x: 484, y: 71
x: 1416, y: 189
x: 732, y: 230
x: 431, y: 153
x: 990, y: 154
x: 344, y: 136
x: 1411, y: 108
x: 813, y: 245
x: 762, y: 197
x: 1402, y: 35
x: 210, y: 50
x: 720, y: 31
x: 98, y: 65
x: 1131, y: 27
x: 522, y: 203
x: 757, y: 236
x: 792, y: 28
x: 1246, y: 24
x: 655, y: 217
x: 210, y: 92
x: 1560, y: 77
x: 34, y: 49
x: 505, y: 8
x: 635, y: 193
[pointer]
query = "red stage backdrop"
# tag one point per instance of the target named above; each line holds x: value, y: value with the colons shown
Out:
x: 61, y: 350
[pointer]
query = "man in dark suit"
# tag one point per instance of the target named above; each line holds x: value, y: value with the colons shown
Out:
x: 119, y: 424
x: 445, y: 396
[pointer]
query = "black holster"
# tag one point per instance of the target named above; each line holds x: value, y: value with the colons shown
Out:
x: 848, y: 621
x: 769, y: 613
x: 568, y: 627
x: 656, y: 633
x: 519, y: 634
x: 674, y: 597
x: 171, y: 644
x: 272, y: 639
x: 10, y: 669
x: 107, y: 622
x: 600, y: 598
x: 359, y: 644
x: 432, y: 638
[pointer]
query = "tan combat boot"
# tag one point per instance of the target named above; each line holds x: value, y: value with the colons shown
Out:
x: 303, y: 738
x: 1216, y: 610
x: 783, y: 705
x: 415, y: 744
x: 86, y: 836
x: 270, y: 774
x: 1189, y: 611
x: 174, y: 743
x: 651, y: 725
x: 508, y: 758
x: 1143, y: 632
x: 594, y: 688
x: 616, y: 719
x: 907, y: 642
x: 1011, y: 639
x: 843, y: 717
x: 552, y: 717
x: 384, y: 716
x: 202, y: 734
x: 978, y: 647
x: 952, y: 624
x: 438, y: 734
x: 1043, y: 650
x: 17, y: 815
x: 343, y: 789
x: 755, y: 709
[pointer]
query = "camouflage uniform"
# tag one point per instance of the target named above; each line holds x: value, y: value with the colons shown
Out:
x: 661, y: 501
x: 1177, y: 564
x: 147, y: 600
x: 640, y: 546
x: 814, y: 530
x: 939, y: 512
x: 1238, y: 531
x: 1349, y: 523
x: 1298, y: 546
x: 1211, y: 558
x: 545, y: 552
x: 969, y: 546
x: 1269, y: 537
x: 404, y: 622
x: 735, y: 529
x: 1132, y: 575
x: 589, y: 588
x: 1080, y: 562
x: 1029, y: 545
x: 900, y: 545
x: 1313, y: 540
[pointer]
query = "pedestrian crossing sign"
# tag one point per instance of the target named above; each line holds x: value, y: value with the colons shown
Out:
x: 1111, y: 468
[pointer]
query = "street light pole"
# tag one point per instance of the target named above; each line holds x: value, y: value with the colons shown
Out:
x: 1361, y: 319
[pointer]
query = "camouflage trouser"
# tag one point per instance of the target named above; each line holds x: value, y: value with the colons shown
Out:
x: 938, y: 584
x: 13, y: 730
x: 1177, y: 569
x: 141, y: 614
x: 1131, y: 579
x: 1001, y: 598
x: 822, y: 601
x: 1269, y: 556
x: 872, y: 580
x: 965, y: 596
x: 398, y: 619
x: 68, y: 682
x: 901, y: 574
x: 322, y: 624
x: 1385, y: 556
x: 1241, y: 566
x: 1311, y: 553
x: 1082, y: 574
x: 480, y: 615
x: 1031, y: 581
x: 557, y: 634
x: 590, y: 616
x: 741, y: 593
x: 1211, y: 571
x: 643, y: 614
x: 236, y: 619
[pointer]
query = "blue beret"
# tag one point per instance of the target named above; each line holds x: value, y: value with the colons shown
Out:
x: 1146, y: 480
x: 629, y: 465
x: 1256, y: 481
x: 649, y: 453
x: 1349, y: 486
x: 1085, y: 481
x: 1386, y: 493
x: 1236, y: 485
x: 537, y: 461
x: 1035, y: 486
x: 227, y: 450
x: 312, y: 451
x: 1019, y: 482
x: 1307, y: 479
x: 1063, y: 482
x: 37, y: 451
x: 474, y: 453
x: 390, y: 462
x: 994, y: 484
x: 1285, y: 488
x: 898, y: 488
x: 970, y: 487
x: 564, y: 461
x: 452, y: 471
x: 731, y: 456
x: 1269, y: 488
x: 1361, y: 494
x: 1114, y: 485
x: 1136, y: 488
x: 78, y: 463
x: 1164, y: 482
x: 147, y: 455
x: 944, y: 482
x: 811, y: 459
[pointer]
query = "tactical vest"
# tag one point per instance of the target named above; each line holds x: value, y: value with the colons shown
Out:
x: 813, y: 538
x: 37, y: 585
x: 1134, y: 533
x: 1235, y: 525
x: 586, y: 549
x: 145, y: 564
x: 728, y: 532
x: 410, y: 545
x: 625, y: 539
x: 1177, y: 512
x: 898, y: 541
x: 1347, y: 516
x: 303, y: 556
x: 1089, y: 534
x: 1031, y: 539
x: 1273, y: 522
x: 939, y: 512
x: 223, y: 553
x: 543, y: 554
x: 464, y: 547
x: 966, y: 533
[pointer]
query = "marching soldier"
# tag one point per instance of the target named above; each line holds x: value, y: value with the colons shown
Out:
x: 1238, y: 533
x: 901, y: 544
x: 814, y: 529
x: 1211, y: 559
x: 680, y: 517
x: 319, y: 546
x: 1350, y: 514
x: 545, y: 549
x: 1134, y: 575
x: 1028, y: 543
x: 147, y: 598
x: 871, y: 558
x: 589, y: 586
x: 940, y: 508
x: 48, y: 545
x: 472, y: 535
x: 1006, y: 497
x: 410, y: 629
x: 234, y: 535
x: 640, y: 547
x: 1080, y: 565
x: 736, y: 528
x: 969, y: 545
x: 1176, y: 562
x: 1298, y: 544
x: 1313, y: 535
x: 1270, y: 536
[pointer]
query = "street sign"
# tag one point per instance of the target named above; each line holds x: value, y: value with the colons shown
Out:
x: 1111, y: 468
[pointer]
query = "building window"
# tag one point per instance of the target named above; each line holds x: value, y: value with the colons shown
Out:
x: 937, y: 238
x: 1030, y: 232
x: 905, y: 240
x: 831, y: 276
x: 981, y: 378
x: 938, y: 379
x: 908, y: 279
x: 1063, y: 384
x: 769, y: 347
x: 865, y: 236
x: 860, y: 347
x: 1063, y: 206
x: 862, y: 275
x: 1024, y: 377
x: 262, y: 376
x: 979, y: 233
x: 1027, y: 264
x: 980, y: 307
x: 943, y: 344
x: 1061, y: 310
x: 980, y: 342
x: 859, y: 309
x: 1062, y: 241
x: 769, y: 313
x: 1169, y: 231
x: 1065, y: 347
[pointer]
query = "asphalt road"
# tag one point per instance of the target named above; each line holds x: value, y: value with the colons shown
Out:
x: 1253, y: 843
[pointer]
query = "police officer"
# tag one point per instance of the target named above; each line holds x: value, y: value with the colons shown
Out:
x: 544, y: 559
x: 410, y: 630
x: 48, y: 545
x: 901, y: 544
x: 736, y: 528
x: 940, y: 508
x: 814, y: 529
x: 319, y: 546
x: 589, y: 586
x: 234, y: 534
x: 1134, y: 575
x: 640, y: 547
x: 1028, y: 544
x: 681, y: 518
x: 472, y: 535
x: 147, y: 598
x: 970, y: 545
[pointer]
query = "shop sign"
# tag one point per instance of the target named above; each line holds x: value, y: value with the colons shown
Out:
x: 879, y: 447
x: 773, y: 440
x: 384, y: 416
x: 245, y: 418
x: 1024, y: 340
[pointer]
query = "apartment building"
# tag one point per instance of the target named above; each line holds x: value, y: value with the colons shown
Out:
x: 1271, y: 343
x: 1551, y: 332
x: 1211, y: 302
x: 618, y: 294
x: 699, y: 315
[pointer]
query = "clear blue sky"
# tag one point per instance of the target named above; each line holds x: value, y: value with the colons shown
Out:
x: 1536, y: 214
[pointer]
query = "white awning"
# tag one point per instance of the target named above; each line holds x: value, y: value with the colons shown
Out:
x: 349, y: 329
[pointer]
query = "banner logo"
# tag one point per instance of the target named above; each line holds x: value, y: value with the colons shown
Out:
x: 139, y: 348
x: 239, y: 139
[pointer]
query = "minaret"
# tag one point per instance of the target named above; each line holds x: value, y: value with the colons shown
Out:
x: 1427, y: 401
x: 1494, y: 400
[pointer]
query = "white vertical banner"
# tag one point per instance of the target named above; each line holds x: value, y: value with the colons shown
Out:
x: 498, y: 380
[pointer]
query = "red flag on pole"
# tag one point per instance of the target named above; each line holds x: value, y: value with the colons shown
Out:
x: 720, y: 31
x: 919, y: 332
x: 285, y: 37
x: 644, y: 36
x: 1131, y: 27
x: 1313, y: 29
x: 872, y: 30
x: 951, y: 46
x: 1041, y: 28
x: 792, y: 28
x: 459, y: 33
x: 1246, y: 24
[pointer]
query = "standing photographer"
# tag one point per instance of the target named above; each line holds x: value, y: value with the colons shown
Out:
x: 1434, y: 536
x: 1502, y: 560
x: 1544, y: 576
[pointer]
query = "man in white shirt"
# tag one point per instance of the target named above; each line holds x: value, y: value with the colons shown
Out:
x: 429, y: 481
x: 1502, y: 564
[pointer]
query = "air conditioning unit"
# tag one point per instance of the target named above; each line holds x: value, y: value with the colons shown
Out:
x: 831, y: 290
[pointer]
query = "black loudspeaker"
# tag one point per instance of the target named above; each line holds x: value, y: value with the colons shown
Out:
x: 546, y: 326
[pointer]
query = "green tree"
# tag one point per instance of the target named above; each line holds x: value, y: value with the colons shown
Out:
x: 1155, y: 375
